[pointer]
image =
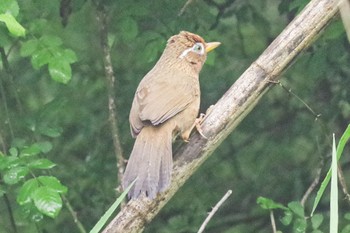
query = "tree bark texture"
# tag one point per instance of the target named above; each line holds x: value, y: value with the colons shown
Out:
x: 231, y: 109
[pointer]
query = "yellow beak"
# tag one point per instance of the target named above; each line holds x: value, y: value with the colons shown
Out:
x: 211, y: 46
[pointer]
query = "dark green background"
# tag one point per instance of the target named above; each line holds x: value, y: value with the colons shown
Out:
x: 275, y: 152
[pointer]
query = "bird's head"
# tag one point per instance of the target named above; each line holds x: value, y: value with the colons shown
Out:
x: 189, y: 50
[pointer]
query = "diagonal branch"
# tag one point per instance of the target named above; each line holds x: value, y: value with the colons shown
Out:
x: 231, y: 109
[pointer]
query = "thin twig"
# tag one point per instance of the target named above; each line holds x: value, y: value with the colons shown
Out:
x: 313, y: 184
x: 9, y: 209
x: 9, y: 72
x: 73, y: 214
x: 343, y: 183
x: 110, y: 78
x: 185, y: 7
x: 289, y: 90
x: 273, y: 223
x: 213, y: 211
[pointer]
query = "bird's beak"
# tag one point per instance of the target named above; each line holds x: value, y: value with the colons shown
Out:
x: 211, y: 45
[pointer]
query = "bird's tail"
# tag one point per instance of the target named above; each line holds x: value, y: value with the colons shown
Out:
x: 150, y: 162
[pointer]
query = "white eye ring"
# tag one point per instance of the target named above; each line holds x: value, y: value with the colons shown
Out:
x: 197, y: 48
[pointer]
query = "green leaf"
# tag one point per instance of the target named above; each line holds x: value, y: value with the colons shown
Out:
x: 25, y: 192
x: 30, y: 151
x: 9, y: 6
x: 109, y: 212
x: 296, y: 208
x: 299, y: 225
x: 316, y: 221
x: 211, y: 59
x: 150, y: 52
x: 287, y: 218
x: 45, y: 146
x: 347, y: 216
x: 50, y: 41
x: 42, y: 164
x: 52, y: 132
x: 129, y: 29
x: 12, y: 25
x: 13, y: 151
x: 15, y: 174
x: 40, y: 58
x: 47, y: 200
x: 29, y: 47
x: 346, y: 229
x: 69, y: 56
x: 53, y: 183
x: 60, y: 71
x: 342, y: 142
x: 269, y: 204
x: 9, y: 162
x: 334, y: 191
x: 334, y: 31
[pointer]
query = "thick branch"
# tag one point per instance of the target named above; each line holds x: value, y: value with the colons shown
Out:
x: 231, y: 109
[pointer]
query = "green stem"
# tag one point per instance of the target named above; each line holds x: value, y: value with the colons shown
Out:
x: 74, y: 214
x: 9, y: 209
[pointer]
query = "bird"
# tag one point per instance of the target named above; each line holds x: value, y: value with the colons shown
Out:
x: 165, y: 105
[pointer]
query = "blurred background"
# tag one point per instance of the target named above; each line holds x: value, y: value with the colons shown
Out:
x: 276, y: 152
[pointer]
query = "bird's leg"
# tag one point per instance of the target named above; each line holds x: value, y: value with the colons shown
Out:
x: 197, y: 123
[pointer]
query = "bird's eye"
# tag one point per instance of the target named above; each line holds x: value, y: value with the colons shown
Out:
x: 198, y: 48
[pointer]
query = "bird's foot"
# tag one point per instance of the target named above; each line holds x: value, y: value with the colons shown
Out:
x: 198, y: 123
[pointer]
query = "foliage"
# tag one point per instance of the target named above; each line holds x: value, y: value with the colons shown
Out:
x: 57, y: 161
x: 295, y: 212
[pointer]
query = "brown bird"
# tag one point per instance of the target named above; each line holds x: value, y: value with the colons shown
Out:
x: 166, y: 103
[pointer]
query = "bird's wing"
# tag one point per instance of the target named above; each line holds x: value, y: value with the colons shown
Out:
x: 158, y: 99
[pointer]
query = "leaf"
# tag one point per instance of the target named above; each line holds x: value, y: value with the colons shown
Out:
x: 342, y: 142
x: 347, y: 216
x: 9, y: 6
x: 45, y: 146
x: 29, y: 47
x: 60, y: 71
x: 12, y: 25
x: 334, y: 31
x: 129, y: 29
x: 334, y: 191
x: 48, y: 201
x: 299, y: 225
x: 296, y: 208
x: 53, y: 183
x: 42, y: 164
x: 346, y: 229
x: 30, y: 151
x: 50, y: 41
x: 15, y: 174
x: 13, y: 151
x: 269, y: 204
x: 25, y: 192
x: 150, y: 52
x: 211, y: 59
x: 110, y: 211
x: 316, y: 221
x: 69, y: 56
x: 40, y: 58
x: 9, y: 162
x: 50, y: 131
x: 287, y: 218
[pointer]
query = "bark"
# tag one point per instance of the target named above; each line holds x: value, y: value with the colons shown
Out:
x: 231, y: 109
